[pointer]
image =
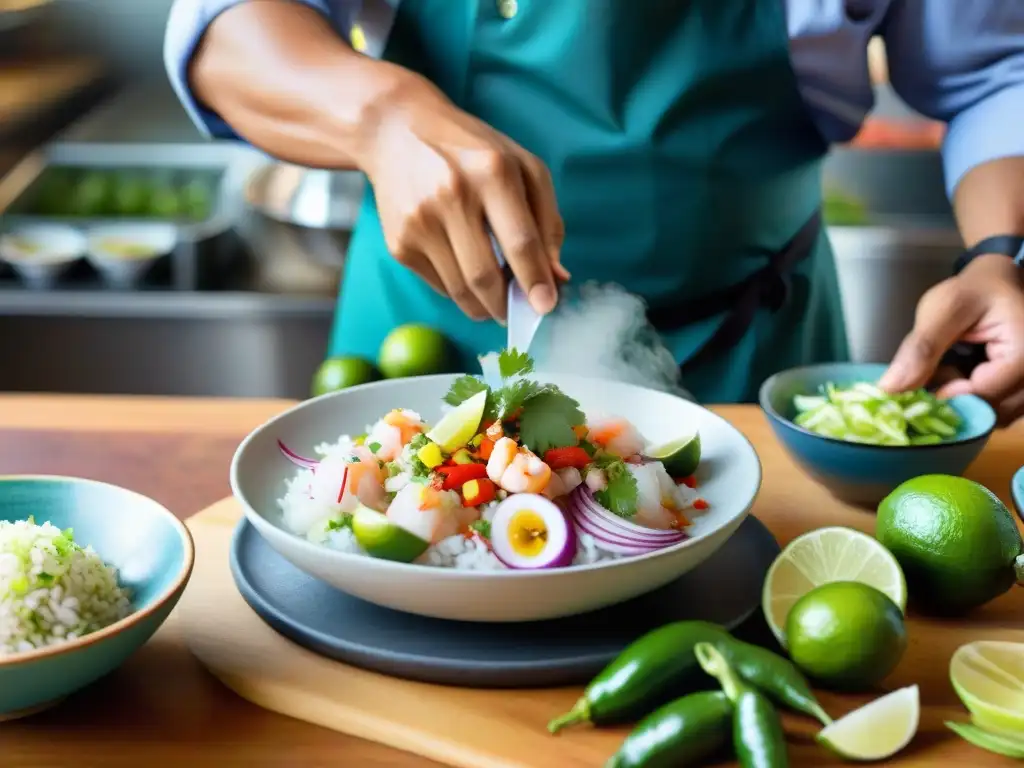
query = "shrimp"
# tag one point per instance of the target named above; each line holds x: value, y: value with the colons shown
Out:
x: 563, y: 482
x: 502, y: 454
x: 517, y: 470
x: 656, y: 508
x: 393, y: 433
x: 617, y: 436
x: 426, y: 512
x: 526, y: 474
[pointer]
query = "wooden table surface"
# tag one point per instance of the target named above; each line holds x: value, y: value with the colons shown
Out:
x: 162, y: 708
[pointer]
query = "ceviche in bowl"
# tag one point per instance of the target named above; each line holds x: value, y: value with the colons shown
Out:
x: 509, y: 496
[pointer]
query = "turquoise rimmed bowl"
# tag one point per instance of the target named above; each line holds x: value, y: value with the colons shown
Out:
x: 865, y: 474
x: 153, y: 553
x: 1017, y: 492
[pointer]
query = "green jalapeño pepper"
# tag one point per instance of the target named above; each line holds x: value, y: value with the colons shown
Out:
x: 686, y: 731
x: 661, y: 664
x: 774, y: 675
x: 647, y: 674
x: 757, y: 734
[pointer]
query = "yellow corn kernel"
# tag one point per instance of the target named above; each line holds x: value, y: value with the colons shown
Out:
x: 430, y: 455
x: 471, y: 490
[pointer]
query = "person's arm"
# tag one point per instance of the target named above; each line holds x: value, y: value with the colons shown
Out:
x: 963, y: 62
x: 278, y: 73
x: 281, y: 76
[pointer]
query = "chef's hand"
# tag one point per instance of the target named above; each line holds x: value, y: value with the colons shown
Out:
x: 984, y: 304
x: 440, y: 176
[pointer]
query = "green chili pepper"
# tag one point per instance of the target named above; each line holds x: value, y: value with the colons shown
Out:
x: 647, y: 674
x: 774, y: 675
x: 686, y: 731
x: 660, y: 665
x: 757, y: 734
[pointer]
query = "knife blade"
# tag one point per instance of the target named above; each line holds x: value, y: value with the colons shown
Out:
x: 523, y: 321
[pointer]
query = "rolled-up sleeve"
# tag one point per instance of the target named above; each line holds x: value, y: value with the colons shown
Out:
x: 188, y: 21
x: 962, y: 61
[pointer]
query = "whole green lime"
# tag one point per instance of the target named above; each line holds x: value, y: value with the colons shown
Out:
x: 414, y: 350
x: 341, y: 372
x: 846, y: 635
x: 955, y: 540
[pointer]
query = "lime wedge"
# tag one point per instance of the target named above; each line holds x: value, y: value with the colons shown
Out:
x: 877, y: 730
x: 988, y: 676
x: 384, y: 539
x: 680, y: 457
x: 822, y: 557
x: 459, y: 425
x: 1001, y: 744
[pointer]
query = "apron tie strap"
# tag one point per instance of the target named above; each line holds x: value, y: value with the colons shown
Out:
x: 769, y: 287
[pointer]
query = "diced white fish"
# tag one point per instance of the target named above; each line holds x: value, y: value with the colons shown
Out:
x: 435, y: 522
x: 617, y: 436
x: 651, y: 509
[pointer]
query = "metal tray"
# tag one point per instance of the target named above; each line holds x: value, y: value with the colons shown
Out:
x: 206, y: 245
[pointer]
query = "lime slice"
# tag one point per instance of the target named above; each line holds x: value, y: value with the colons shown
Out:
x: 680, y: 457
x: 459, y: 425
x: 824, y: 556
x: 384, y: 539
x: 1001, y: 744
x: 988, y: 676
x: 877, y: 730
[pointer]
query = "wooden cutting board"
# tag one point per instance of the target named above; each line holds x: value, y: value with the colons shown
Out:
x: 470, y: 728
x: 460, y: 727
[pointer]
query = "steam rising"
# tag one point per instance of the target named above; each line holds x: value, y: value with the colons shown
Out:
x: 603, y: 332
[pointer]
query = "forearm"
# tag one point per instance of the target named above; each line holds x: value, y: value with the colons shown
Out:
x: 990, y: 200
x: 283, y: 78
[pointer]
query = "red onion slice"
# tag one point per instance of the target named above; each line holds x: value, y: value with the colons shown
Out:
x: 612, y: 545
x: 598, y: 522
x: 613, y: 521
x: 294, y: 458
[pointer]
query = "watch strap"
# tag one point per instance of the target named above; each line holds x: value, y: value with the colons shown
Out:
x: 1011, y: 246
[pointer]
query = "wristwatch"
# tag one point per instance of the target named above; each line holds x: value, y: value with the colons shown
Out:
x: 967, y: 356
x: 1011, y: 246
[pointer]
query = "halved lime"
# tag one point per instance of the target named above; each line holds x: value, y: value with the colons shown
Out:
x: 1008, y: 745
x: 459, y: 425
x: 877, y: 730
x: 824, y: 556
x: 384, y: 539
x: 988, y: 676
x: 680, y: 457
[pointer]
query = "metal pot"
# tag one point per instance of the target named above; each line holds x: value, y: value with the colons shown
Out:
x: 297, y: 223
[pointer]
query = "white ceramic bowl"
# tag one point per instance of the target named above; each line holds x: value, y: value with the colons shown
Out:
x: 729, y: 478
x: 40, y: 253
x: 122, y: 253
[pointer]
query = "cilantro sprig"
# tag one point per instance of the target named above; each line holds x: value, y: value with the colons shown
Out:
x: 546, y: 415
x: 621, y: 495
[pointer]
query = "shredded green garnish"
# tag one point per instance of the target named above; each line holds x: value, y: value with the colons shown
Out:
x: 864, y: 413
x: 621, y: 496
x: 345, y: 521
x: 483, y: 527
x: 419, y: 469
x: 374, y: 447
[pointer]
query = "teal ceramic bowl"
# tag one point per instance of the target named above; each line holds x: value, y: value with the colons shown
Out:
x: 1017, y: 492
x: 865, y: 474
x: 152, y: 552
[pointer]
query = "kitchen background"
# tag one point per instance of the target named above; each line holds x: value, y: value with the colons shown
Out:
x: 240, y: 304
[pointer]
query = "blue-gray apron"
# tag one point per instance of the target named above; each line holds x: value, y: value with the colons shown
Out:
x: 686, y: 166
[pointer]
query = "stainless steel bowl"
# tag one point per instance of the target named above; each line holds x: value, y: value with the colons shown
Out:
x: 297, y: 223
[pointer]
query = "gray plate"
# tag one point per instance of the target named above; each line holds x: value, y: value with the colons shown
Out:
x: 726, y: 590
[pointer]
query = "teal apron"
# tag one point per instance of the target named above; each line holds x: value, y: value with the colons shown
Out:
x: 686, y: 166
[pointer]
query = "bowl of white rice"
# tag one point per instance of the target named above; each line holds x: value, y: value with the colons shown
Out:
x: 458, y: 579
x: 88, y: 572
